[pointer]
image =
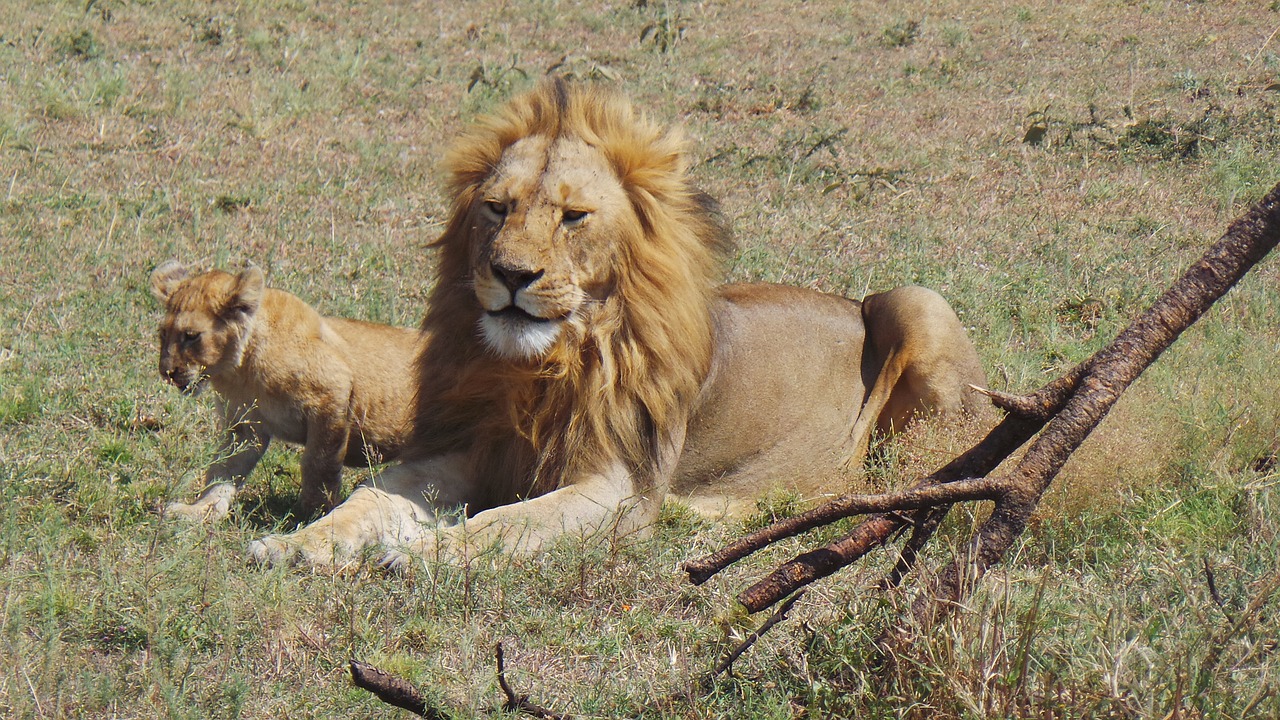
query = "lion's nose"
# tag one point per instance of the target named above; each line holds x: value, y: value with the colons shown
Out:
x: 514, y: 278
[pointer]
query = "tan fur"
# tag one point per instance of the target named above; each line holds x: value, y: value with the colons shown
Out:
x: 341, y: 388
x: 584, y: 366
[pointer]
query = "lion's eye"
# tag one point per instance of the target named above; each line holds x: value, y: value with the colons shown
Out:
x: 573, y: 217
x: 190, y: 338
x: 495, y: 207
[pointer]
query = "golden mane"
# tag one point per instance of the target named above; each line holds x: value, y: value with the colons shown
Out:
x: 605, y: 393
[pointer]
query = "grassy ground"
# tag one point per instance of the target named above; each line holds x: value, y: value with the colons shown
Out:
x: 1049, y: 167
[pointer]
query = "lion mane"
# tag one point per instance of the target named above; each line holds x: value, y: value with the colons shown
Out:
x: 609, y: 389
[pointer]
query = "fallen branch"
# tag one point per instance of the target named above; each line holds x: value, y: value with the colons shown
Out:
x: 393, y: 690
x: 1059, y: 416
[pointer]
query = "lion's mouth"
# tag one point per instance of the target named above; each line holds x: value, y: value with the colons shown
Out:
x: 515, y: 333
x: 515, y: 312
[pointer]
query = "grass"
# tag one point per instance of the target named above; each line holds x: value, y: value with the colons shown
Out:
x: 855, y: 146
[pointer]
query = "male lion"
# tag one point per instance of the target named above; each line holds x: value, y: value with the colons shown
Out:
x: 343, y: 388
x: 583, y: 364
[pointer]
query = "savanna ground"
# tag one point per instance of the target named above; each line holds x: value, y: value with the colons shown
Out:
x: 1049, y: 167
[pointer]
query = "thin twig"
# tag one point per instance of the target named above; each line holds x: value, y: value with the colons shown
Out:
x: 778, y: 616
x: 1213, y: 589
x: 1248, y: 617
x: 520, y: 703
x: 924, y: 525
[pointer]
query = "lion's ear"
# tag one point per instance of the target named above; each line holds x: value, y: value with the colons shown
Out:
x: 166, y: 278
x: 246, y: 297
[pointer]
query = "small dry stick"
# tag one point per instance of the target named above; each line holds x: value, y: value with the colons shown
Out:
x: 520, y: 703
x: 1213, y: 589
x: 778, y: 616
x: 1248, y: 617
x: 923, y: 495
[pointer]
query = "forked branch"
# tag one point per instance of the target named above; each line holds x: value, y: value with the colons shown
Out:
x: 1062, y: 414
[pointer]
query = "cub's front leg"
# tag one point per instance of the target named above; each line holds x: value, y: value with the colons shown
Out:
x: 322, y: 458
x: 243, y: 443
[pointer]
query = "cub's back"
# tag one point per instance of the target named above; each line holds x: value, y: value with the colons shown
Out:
x: 381, y: 359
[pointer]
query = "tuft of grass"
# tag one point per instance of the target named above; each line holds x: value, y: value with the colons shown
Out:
x: 900, y: 34
x: 665, y: 30
x: 82, y: 45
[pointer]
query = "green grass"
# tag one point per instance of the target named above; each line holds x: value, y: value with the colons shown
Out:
x: 854, y: 146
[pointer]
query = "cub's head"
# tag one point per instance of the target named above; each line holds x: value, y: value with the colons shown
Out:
x: 207, y: 322
x: 571, y: 211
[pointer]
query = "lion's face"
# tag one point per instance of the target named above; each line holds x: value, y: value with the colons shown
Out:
x: 207, y: 322
x: 547, y: 232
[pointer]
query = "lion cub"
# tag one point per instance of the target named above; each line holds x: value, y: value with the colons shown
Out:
x: 341, y: 388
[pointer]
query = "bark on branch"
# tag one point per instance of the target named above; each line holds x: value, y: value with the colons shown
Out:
x: 1062, y: 414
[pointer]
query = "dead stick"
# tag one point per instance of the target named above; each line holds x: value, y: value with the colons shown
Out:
x: 925, y: 523
x: 393, y: 690
x: 929, y: 493
x: 778, y: 616
x: 1270, y: 583
x: 520, y: 703
x: 1213, y: 589
x: 814, y: 565
x: 1010, y: 434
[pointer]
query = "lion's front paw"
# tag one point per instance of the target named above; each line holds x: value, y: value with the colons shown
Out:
x: 397, y: 561
x: 404, y: 558
x: 198, y: 512
x: 271, y: 550
x: 299, y: 549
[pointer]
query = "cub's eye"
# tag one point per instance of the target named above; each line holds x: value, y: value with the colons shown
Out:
x: 190, y: 338
x: 496, y: 208
x: 573, y: 217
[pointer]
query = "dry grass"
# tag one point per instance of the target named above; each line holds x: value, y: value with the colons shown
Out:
x: 855, y: 146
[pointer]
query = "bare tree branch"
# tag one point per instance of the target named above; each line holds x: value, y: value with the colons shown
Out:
x: 1108, y: 373
x: 398, y: 692
x: 1062, y: 413
x: 924, y: 495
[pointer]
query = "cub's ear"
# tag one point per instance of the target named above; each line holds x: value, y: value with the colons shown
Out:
x: 166, y: 278
x: 246, y: 296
